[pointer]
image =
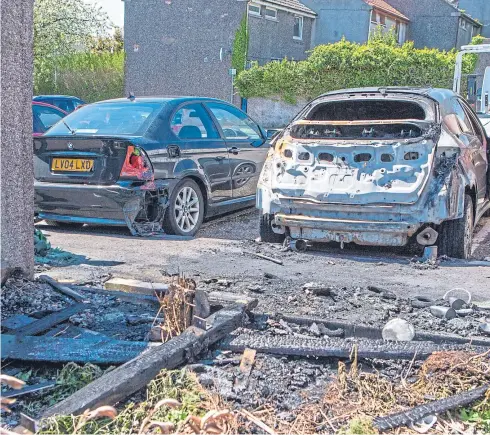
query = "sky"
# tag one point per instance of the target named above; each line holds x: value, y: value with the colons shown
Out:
x: 115, y: 10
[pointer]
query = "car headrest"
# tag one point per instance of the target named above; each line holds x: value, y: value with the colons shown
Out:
x: 190, y: 132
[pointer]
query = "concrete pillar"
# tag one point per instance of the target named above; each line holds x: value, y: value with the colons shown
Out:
x: 17, y: 190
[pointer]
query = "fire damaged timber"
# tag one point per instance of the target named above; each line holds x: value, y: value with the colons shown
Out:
x: 370, y: 332
x: 339, y: 348
x: 378, y: 167
x: 413, y: 415
x: 135, y: 374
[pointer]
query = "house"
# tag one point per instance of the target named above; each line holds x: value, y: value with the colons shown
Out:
x: 183, y: 47
x: 279, y: 29
x: 354, y: 20
x: 479, y: 9
x: 437, y: 23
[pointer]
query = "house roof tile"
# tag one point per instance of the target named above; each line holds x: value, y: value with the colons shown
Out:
x: 384, y: 6
x: 293, y: 4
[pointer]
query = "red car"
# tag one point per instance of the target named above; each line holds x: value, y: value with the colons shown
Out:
x: 44, y: 116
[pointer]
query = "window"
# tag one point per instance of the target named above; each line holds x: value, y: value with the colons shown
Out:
x: 464, y: 121
x: 382, y: 19
x: 462, y: 23
x: 254, y: 10
x: 193, y: 122
x: 234, y: 123
x: 271, y: 14
x: 475, y: 124
x: 110, y: 118
x: 44, y: 118
x: 298, y: 28
x: 64, y: 104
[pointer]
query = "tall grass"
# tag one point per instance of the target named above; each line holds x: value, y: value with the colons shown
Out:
x: 90, y: 76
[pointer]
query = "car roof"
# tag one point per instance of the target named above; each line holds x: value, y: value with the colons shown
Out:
x: 65, y: 97
x: 438, y: 94
x: 164, y: 99
x: 40, y: 103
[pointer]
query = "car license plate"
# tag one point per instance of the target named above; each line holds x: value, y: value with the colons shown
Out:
x: 72, y: 165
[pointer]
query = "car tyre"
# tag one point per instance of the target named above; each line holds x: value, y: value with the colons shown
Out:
x: 456, y: 236
x: 185, y: 212
x: 266, y: 232
x: 67, y: 225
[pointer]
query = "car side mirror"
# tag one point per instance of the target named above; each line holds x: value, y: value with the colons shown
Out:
x: 452, y: 124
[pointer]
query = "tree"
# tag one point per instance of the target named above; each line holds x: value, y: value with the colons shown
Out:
x: 108, y: 44
x: 66, y: 26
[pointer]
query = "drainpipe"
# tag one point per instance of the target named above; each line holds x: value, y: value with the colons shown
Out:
x: 369, y: 24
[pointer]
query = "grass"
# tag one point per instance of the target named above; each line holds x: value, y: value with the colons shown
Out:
x: 69, y: 379
x: 174, y: 397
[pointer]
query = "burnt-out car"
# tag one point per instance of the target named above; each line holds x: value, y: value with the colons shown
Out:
x: 378, y: 166
x: 148, y: 163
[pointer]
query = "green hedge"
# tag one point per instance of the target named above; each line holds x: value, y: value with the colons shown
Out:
x: 90, y: 76
x: 380, y: 62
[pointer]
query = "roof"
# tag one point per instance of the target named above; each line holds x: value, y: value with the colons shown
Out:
x: 56, y: 96
x: 292, y: 4
x: 385, y: 7
x: 157, y: 99
x: 463, y: 13
x: 438, y: 94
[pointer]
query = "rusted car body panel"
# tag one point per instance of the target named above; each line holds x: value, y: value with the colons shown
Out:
x: 388, y: 181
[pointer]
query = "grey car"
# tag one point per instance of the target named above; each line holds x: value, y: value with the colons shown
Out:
x: 379, y: 166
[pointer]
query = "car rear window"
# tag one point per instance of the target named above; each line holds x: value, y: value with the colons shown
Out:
x: 125, y: 118
x: 366, y: 110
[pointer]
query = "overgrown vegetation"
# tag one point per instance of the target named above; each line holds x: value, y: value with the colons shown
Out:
x: 90, y: 76
x: 174, y: 399
x: 240, y: 47
x: 344, y: 64
x: 74, y: 53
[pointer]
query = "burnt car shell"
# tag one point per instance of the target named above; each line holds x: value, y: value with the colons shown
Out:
x: 372, y: 166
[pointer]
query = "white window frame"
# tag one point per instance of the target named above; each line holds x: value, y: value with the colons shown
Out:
x: 274, y: 18
x: 301, y: 25
x: 254, y: 13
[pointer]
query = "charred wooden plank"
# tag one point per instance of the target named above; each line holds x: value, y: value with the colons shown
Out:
x: 364, y: 331
x: 135, y: 374
x: 61, y: 288
x: 217, y: 298
x: 339, y: 348
x: 54, y: 349
x: 417, y: 413
x: 49, y: 321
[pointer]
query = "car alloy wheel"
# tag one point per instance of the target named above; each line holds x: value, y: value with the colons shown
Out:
x: 187, y: 209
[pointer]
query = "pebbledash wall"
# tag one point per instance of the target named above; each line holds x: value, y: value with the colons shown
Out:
x: 180, y: 47
x: 17, y: 203
x: 273, y: 113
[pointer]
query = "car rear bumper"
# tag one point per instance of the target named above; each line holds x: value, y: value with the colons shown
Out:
x: 362, y: 232
x: 117, y: 204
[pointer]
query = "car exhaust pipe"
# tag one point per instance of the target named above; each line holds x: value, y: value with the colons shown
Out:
x: 298, y: 245
x: 427, y: 237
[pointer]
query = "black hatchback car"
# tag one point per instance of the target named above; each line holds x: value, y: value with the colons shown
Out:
x: 148, y: 163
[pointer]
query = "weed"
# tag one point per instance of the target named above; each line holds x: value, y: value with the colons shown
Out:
x: 173, y: 397
x: 358, y: 426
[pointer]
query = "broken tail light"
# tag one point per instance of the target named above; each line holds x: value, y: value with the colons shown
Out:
x: 136, y: 165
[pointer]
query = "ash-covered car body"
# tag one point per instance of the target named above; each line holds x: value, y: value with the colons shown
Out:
x: 378, y: 166
x: 148, y: 162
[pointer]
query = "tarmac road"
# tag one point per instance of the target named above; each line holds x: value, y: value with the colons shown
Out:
x: 222, y: 250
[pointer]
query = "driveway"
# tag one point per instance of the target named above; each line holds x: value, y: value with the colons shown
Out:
x: 224, y: 249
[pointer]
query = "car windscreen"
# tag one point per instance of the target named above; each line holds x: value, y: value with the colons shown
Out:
x: 125, y: 118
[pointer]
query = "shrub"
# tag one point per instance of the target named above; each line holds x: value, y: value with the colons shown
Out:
x: 344, y: 64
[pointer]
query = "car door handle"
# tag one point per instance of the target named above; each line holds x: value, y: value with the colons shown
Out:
x: 234, y: 150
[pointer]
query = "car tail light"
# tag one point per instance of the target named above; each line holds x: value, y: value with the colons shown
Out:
x: 136, y: 165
